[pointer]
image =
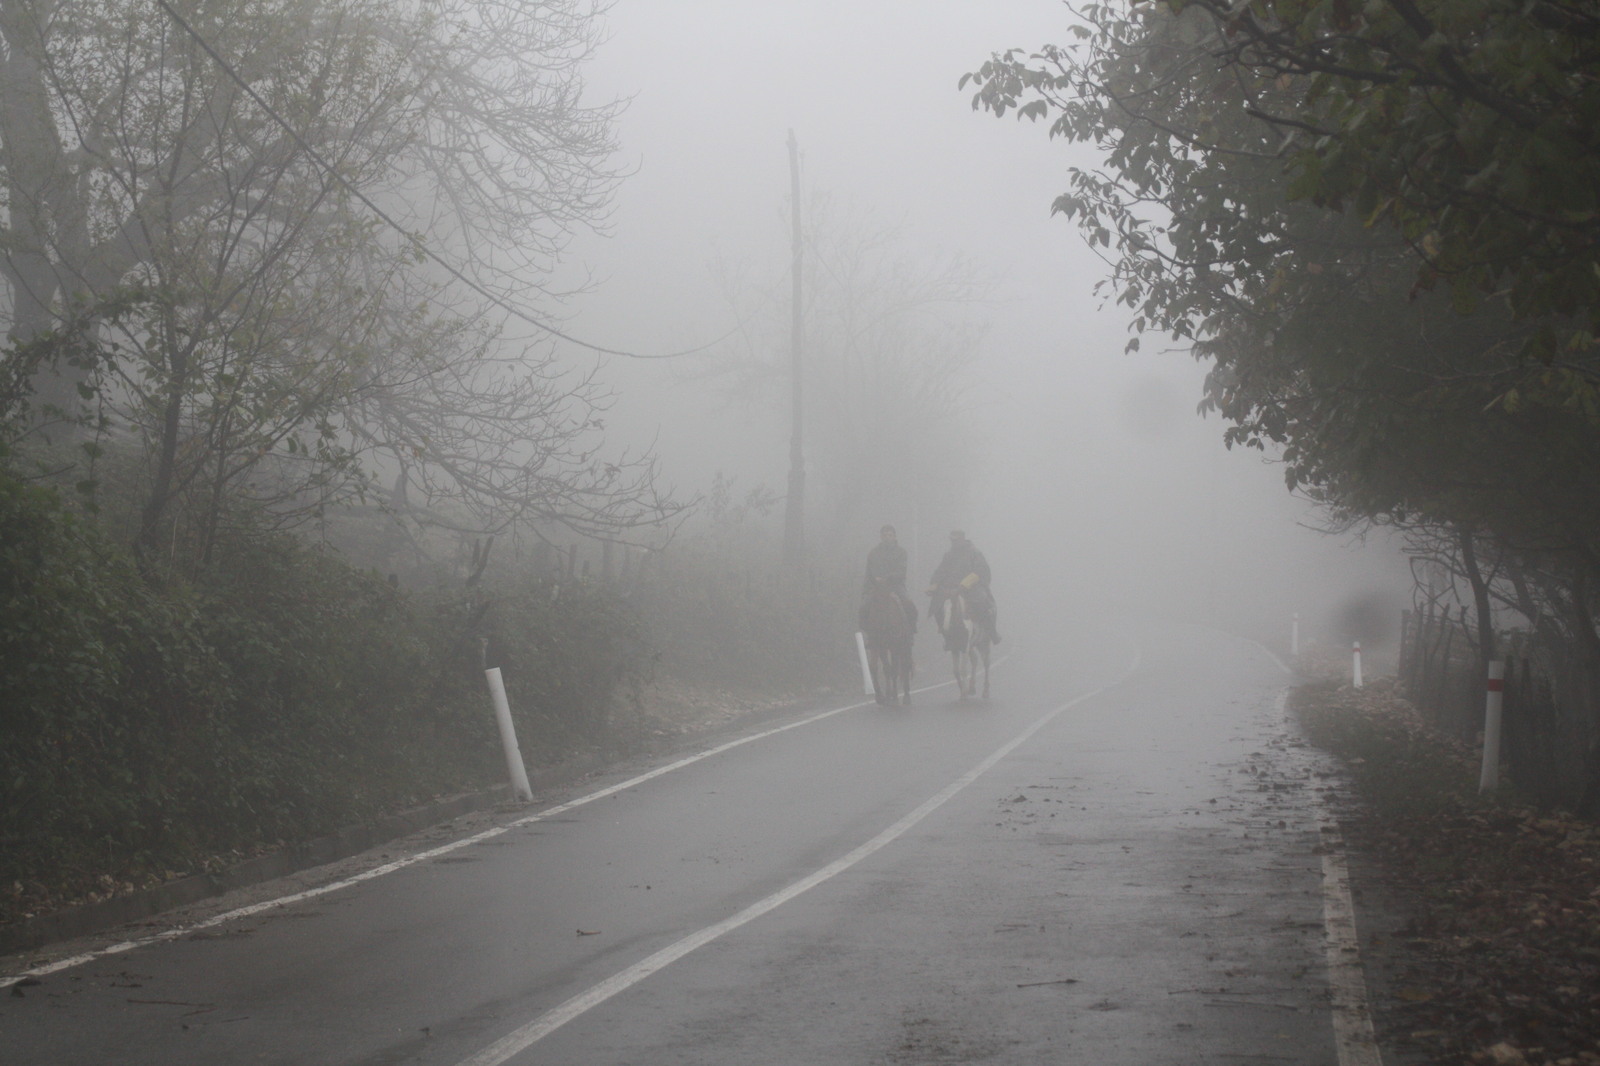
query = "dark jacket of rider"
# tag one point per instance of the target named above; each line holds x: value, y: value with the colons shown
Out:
x: 962, y: 559
x: 887, y: 561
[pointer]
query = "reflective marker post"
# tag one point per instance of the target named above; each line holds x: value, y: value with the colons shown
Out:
x: 866, y: 668
x: 1294, y: 636
x: 508, y: 735
x: 1355, y: 651
x: 1494, y: 699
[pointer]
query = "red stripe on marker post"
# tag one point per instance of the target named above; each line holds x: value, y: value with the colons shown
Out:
x: 1496, y: 684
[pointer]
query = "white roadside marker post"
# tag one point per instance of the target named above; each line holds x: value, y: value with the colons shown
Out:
x: 1494, y: 702
x: 508, y: 736
x: 866, y: 668
x: 1355, y: 651
x: 1294, y: 636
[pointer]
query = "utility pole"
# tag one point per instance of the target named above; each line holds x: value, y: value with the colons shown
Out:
x: 794, y: 527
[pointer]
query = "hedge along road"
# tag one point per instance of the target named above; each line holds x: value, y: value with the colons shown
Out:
x: 1086, y: 865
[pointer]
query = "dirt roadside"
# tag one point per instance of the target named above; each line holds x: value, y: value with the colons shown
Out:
x: 1479, y: 916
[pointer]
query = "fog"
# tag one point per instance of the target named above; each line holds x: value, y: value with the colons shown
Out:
x: 1101, y: 490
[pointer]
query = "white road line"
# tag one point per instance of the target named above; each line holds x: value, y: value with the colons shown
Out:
x: 1353, y: 1034
x: 1248, y: 640
x: 423, y: 856
x: 521, y: 1039
x: 1274, y: 657
x: 1352, y: 1021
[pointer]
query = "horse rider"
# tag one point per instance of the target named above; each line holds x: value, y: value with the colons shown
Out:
x: 887, y: 562
x: 964, y: 565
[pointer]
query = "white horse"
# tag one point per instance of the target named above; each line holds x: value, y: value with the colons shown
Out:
x: 968, y: 634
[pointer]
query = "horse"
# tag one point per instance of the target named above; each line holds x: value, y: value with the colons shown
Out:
x: 887, y: 632
x: 968, y: 634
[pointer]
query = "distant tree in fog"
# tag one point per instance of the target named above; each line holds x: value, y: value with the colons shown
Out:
x: 891, y: 367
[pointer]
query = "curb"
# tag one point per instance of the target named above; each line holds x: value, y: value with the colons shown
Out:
x: 90, y: 918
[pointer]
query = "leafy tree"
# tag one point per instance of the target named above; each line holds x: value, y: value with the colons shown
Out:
x: 1372, y: 222
x: 1467, y: 126
x: 1390, y: 399
x: 1378, y: 224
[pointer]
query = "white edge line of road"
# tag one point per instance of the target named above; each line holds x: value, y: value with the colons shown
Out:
x: 178, y: 932
x: 519, y: 1040
x: 1353, y: 1033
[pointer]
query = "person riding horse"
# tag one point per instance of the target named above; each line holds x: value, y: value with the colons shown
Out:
x: 887, y: 562
x: 964, y: 565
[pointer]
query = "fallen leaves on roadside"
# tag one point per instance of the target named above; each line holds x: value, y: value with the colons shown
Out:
x: 1500, y: 958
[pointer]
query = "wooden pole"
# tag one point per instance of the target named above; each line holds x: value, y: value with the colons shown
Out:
x: 794, y: 548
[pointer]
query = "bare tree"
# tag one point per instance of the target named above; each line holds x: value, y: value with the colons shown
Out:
x: 892, y: 344
x: 229, y: 160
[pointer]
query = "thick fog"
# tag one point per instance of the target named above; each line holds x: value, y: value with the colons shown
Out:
x: 1101, y: 491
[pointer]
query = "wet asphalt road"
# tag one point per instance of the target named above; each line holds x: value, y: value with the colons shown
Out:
x: 1114, y: 860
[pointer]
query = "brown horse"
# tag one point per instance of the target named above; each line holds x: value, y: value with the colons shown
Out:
x: 886, y: 630
x: 968, y: 634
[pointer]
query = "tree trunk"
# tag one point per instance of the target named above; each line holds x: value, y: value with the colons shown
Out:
x: 1480, y: 596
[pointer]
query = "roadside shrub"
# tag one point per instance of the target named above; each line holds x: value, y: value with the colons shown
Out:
x: 573, y: 656
x: 147, y: 728
x: 333, y: 675
x: 99, y: 681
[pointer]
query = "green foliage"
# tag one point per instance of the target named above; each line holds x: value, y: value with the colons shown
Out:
x: 1377, y: 222
x: 567, y: 653
x: 98, y: 676
x: 280, y: 695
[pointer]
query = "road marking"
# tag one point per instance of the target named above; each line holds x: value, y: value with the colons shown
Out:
x: 1352, y: 1021
x: 521, y: 1039
x: 178, y: 932
x: 1353, y: 1034
x: 1248, y: 640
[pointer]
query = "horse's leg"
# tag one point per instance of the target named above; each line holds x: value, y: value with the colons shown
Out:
x: 985, y: 651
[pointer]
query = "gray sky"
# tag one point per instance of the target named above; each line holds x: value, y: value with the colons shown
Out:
x: 1104, y: 489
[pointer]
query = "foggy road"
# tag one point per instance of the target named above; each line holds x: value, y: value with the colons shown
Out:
x: 1117, y: 859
